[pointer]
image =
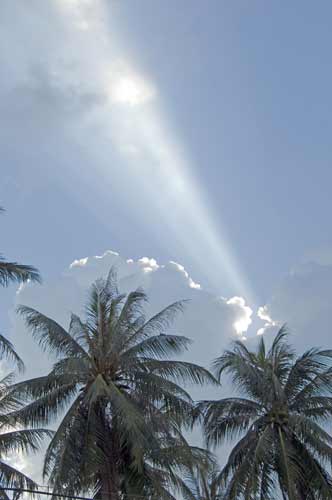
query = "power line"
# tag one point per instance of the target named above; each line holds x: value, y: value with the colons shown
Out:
x: 38, y: 492
x: 61, y: 495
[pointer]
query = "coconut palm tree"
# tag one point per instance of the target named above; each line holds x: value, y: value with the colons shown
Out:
x: 165, y: 470
x: 280, y: 416
x: 18, y: 273
x: 204, y: 483
x: 13, y: 272
x: 117, y: 384
x: 13, y: 441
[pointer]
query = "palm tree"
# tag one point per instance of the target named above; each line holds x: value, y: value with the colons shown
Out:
x: 117, y: 384
x: 14, y: 272
x: 19, y: 273
x: 281, y: 413
x: 165, y: 470
x: 15, y: 440
x: 204, y: 484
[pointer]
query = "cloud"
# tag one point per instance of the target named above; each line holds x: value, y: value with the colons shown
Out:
x: 211, y: 321
x: 242, y: 324
x: 262, y: 314
x: 304, y: 302
x: 87, y: 114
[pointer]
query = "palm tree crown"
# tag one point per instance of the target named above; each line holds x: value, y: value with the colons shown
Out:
x: 281, y: 413
x: 116, y: 381
x: 14, y: 440
x: 204, y: 484
x: 166, y: 469
x: 19, y: 273
x: 13, y: 272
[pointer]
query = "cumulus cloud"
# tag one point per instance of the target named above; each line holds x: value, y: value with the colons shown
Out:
x: 262, y: 314
x: 242, y: 324
x: 304, y: 302
x: 211, y: 321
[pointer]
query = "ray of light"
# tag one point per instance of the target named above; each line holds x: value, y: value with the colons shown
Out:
x: 134, y: 121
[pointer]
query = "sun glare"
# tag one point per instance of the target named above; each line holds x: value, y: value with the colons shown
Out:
x: 130, y: 90
x: 127, y: 91
x: 135, y: 120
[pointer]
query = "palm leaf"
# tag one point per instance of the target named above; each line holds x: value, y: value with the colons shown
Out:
x: 11, y: 477
x: 7, y: 350
x: 49, y: 334
x: 25, y: 440
x: 181, y: 371
x: 12, y: 272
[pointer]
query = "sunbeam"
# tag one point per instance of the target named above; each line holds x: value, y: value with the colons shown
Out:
x: 137, y: 126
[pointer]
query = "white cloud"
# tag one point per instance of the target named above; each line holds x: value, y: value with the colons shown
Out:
x: 147, y: 264
x: 210, y: 321
x: 79, y: 262
x: 304, y: 302
x: 182, y: 270
x: 263, y: 314
x: 242, y: 324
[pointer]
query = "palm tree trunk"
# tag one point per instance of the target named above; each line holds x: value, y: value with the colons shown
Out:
x: 290, y: 488
x: 109, y: 488
x: 110, y: 478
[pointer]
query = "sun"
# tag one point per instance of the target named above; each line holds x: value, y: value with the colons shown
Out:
x: 127, y: 91
x: 130, y: 90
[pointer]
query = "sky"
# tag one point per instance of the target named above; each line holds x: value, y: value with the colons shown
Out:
x: 190, y: 138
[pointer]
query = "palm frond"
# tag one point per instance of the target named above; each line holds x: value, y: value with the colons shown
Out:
x: 12, y: 477
x: 159, y: 346
x: 80, y: 332
x: 49, y: 334
x: 7, y: 349
x: 50, y: 398
x: 283, y: 409
x: 157, y: 324
x: 25, y: 440
x: 61, y: 434
x: 126, y: 407
x: 245, y: 372
x: 12, y: 272
x: 181, y: 371
x: 123, y: 408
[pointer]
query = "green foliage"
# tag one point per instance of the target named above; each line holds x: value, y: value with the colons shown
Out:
x: 117, y: 383
x: 18, y: 273
x: 14, y: 439
x: 280, y: 419
x: 119, y: 389
x: 204, y: 484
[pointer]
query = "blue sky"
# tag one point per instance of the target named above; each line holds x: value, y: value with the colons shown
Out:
x: 179, y: 130
x: 235, y: 95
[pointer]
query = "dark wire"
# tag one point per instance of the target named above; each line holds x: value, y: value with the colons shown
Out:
x: 60, y: 495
